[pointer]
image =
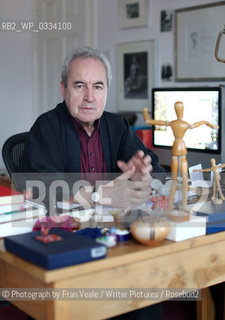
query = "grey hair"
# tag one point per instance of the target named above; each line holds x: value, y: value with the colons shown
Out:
x: 85, y: 52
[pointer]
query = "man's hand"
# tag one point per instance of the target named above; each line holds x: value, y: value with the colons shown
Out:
x: 142, y: 164
x: 123, y: 193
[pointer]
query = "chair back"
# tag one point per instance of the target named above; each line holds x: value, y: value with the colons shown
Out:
x: 12, y: 152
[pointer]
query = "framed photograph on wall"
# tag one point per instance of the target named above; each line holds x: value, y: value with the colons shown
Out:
x: 135, y: 61
x: 166, y: 20
x: 196, y: 32
x: 133, y: 13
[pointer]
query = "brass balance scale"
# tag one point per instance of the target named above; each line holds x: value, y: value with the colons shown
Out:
x: 218, y: 45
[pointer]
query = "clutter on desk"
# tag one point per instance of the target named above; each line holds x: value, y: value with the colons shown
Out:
x: 10, y: 196
x: 179, y: 163
x: 214, y: 215
x: 52, y: 222
x: 150, y: 230
x: 123, y: 235
x: 194, y: 227
x: 108, y: 238
x: 18, y: 218
x: 69, y: 249
x: 215, y: 169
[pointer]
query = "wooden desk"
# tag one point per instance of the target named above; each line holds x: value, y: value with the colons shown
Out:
x: 195, y: 263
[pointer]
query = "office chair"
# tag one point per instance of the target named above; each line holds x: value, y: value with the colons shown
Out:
x: 12, y: 152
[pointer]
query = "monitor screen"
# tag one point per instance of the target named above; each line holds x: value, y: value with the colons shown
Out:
x: 199, y: 104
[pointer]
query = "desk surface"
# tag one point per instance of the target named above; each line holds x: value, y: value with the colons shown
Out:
x: 194, y: 263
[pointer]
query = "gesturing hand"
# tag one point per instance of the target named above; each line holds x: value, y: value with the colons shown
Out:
x: 142, y: 164
x: 122, y: 192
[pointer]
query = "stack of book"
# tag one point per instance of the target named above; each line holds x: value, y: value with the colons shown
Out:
x: 215, y: 216
x: 17, y: 215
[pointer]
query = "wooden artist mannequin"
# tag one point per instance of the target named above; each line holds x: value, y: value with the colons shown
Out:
x: 216, y: 181
x: 179, y: 151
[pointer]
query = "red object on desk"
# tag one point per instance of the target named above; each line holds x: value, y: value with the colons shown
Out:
x: 146, y: 137
x: 9, y: 196
x: 160, y: 202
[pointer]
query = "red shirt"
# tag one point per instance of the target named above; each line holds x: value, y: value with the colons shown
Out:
x: 91, y: 155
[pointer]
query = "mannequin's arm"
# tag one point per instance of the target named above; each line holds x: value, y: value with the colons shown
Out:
x: 153, y: 122
x: 200, y: 123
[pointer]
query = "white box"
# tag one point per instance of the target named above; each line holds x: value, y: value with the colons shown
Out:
x: 194, y: 227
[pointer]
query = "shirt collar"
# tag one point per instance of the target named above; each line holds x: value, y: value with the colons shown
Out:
x: 80, y: 128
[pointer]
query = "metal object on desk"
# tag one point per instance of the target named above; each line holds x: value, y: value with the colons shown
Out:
x: 150, y: 230
x: 218, y: 41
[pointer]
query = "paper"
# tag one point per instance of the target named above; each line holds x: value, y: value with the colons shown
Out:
x: 197, y: 178
x: 67, y: 205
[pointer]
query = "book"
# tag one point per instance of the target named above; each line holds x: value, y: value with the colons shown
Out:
x: 194, y: 227
x: 10, y: 228
x: 7, y: 208
x: 10, y: 196
x: 215, y: 227
x: 215, y: 216
x: 26, y: 211
x: 212, y: 212
x: 65, y: 249
x: 21, y: 221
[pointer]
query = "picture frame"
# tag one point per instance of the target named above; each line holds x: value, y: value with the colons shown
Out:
x: 135, y: 62
x: 196, y: 31
x: 133, y: 13
x: 166, y: 20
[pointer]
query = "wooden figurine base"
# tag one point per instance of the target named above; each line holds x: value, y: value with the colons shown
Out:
x: 217, y: 201
x: 179, y: 215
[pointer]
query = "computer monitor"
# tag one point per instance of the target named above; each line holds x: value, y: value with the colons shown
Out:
x: 200, y: 103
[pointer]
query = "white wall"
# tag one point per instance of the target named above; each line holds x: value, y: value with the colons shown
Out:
x: 30, y: 63
x: 109, y: 35
x: 16, y: 71
x: 17, y: 50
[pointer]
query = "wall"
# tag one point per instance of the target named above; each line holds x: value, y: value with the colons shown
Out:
x: 109, y: 35
x: 19, y: 64
x: 16, y: 71
x: 30, y: 62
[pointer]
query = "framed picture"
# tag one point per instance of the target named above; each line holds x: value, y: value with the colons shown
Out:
x: 166, y: 20
x: 196, y: 32
x: 133, y: 13
x: 135, y: 75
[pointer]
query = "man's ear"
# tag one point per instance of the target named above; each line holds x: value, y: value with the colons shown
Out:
x: 62, y: 88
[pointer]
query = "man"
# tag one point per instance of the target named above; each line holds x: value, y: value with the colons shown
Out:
x: 78, y: 136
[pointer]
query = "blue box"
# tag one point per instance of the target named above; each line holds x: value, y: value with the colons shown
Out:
x: 215, y: 215
x: 70, y: 250
x: 213, y: 212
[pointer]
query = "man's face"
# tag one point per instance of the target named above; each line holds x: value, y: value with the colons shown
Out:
x: 86, y: 91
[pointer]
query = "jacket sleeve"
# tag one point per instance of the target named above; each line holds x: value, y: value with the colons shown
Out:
x: 44, y: 158
x: 44, y: 150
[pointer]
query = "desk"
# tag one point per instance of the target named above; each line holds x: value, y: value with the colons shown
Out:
x: 194, y: 263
